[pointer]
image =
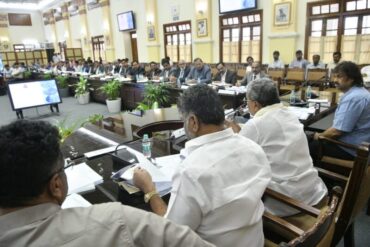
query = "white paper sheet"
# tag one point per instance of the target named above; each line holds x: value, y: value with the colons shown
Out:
x: 75, y: 201
x: 82, y: 178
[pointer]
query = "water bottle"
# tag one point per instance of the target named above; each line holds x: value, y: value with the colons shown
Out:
x: 147, y: 152
x: 198, y: 80
x: 292, y: 97
x: 308, y: 92
x: 178, y: 83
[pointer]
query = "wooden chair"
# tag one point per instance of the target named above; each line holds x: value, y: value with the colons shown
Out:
x: 356, y: 184
x: 297, y: 76
x: 157, y: 127
x: 317, y: 77
x: 319, y: 234
x: 276, y: 73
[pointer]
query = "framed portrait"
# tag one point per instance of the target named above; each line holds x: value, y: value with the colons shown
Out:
x: 282, y: 14
x: 151, y: 33
x: 202, y: 28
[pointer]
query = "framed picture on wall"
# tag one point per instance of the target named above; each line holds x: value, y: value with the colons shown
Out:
x: 202, y: 28
x: 151, y: 33
x: 282, y: 14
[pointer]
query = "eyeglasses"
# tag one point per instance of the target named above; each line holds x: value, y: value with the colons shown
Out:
x: 63, y: 168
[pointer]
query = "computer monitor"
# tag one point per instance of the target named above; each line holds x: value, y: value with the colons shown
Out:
x: 30, y: 94
x: 227, y: 6
x: 126, y: 21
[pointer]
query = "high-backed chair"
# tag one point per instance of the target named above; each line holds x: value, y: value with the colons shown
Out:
x: 157, y: 127
x: 295, y: 75
x: 356, y: 184
x: 319, y: 234
x: 275, y: 74
x: 317, y: 77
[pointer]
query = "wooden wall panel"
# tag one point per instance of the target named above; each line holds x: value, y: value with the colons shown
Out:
x: 19, y: 19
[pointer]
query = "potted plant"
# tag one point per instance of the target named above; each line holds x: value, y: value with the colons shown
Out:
x: 62, y: 85
x: 156, y: 96
x: 65, y: 130
x: 112, y: 91
x: 82, y: 92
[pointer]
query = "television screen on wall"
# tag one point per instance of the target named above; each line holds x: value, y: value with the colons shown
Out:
x: 227, y: 6
x: 126, y: 21
x: 33, y: 93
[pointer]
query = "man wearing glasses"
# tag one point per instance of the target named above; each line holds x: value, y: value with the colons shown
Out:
x: 33, y: 185
x: 181, y: 72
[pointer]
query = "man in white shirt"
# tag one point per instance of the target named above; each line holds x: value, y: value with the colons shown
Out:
x: 33, y: 185
x: 277, y: 63
x: 337, y: 56
x: 217, y: 189
x: 299, y: 62
x: 17, y: 71
x: 281, y: 136
x: 316, y: 64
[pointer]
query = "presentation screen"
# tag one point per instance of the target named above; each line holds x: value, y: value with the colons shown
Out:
x: 33, y: 93
x: 236, y: 5
x: 126, y: 21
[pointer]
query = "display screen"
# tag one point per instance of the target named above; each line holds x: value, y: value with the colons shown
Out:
x: 126, y: 21
x: 236, y: 5
x: 34, y: 93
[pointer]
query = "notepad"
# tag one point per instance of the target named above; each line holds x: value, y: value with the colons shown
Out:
x: 75, y: 201
x: 82, y: 178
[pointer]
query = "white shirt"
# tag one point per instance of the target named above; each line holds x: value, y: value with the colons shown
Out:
x: 331, y: 66
x: 281, y: 136
x: 223, y: 77
x: 108, y: 224
x: 218, y: 188
x: 278, y: 64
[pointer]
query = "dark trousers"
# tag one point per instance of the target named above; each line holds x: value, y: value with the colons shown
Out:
x: 329, y: 149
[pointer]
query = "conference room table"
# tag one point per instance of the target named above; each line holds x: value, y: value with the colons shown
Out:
x: 118, y: 129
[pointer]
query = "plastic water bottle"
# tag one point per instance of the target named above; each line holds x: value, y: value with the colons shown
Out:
x: 308, y: 92
x: 198, y: 80
x: 147, y: 152
x: 292, y: 97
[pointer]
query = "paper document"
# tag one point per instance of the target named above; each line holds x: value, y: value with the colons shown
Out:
x: 169, y: 164
x: 82, y: 178
x: 75, y: 201
x: 301, y: 112
x: 102, y: 151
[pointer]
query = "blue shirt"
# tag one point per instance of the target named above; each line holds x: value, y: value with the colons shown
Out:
x: 352, y: 117
x: 204, y: 75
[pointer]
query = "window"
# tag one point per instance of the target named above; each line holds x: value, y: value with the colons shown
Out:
x: 339, y: 26
x: 177, y: 38
x: 241, y: 36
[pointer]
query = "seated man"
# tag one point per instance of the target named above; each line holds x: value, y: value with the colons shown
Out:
x: 256, y: 74
x: 125, y: 68
x: 136, y: 70
x: 224, y: 75
x: 199, y: 73
x: 281, y: 136
x: 316, y: 63
x: 217, y: 190
x: 17, y: 71
x: 352, y: 117
x: 154, y: 71
x: 181, y: 72
x: 337, y: 56
x: 33, y: 185
x: 166, y: 72
x: 299, y: 62
x: 277, y: 63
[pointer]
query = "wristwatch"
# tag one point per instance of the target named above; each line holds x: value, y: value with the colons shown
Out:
x: 149, y: 195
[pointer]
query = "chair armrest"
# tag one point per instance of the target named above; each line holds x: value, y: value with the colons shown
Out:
x: 339, y: 143
x: 332, y: 175
x: 283, y: 223
x: 292, y: 203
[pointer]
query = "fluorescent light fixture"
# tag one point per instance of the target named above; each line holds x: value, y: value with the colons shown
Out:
x: 27, y: 6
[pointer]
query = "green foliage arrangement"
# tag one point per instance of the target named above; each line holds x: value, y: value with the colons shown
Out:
x: 82, y: 87
x: 156, y: 96
x: 62, y: 81
x: 111, y: 89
